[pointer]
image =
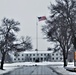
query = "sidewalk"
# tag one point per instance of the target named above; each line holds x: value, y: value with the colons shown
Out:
x: 60, y: 70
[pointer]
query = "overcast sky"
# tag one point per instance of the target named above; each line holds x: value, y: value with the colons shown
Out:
x: 26, y: 12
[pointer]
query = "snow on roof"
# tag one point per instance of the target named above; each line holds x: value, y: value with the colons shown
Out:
x: 31, y: 52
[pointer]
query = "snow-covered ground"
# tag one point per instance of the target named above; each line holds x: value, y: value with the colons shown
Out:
x: 57, y: 66
x: 61, y: 70
x: 12, y: 66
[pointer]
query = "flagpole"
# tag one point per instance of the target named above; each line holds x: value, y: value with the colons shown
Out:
x: 38, y: 19
x: 37, y: 60
x: 37, y: 35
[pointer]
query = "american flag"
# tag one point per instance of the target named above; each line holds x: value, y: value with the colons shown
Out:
x: 42, y: 18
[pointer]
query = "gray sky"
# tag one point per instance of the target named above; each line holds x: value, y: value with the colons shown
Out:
x: 26, y: 12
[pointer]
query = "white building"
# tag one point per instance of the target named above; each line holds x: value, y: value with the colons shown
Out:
x: 40, y: 56
x: 57, y: 56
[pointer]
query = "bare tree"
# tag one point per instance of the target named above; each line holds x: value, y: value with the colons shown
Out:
x: 26, y: 43
x: 61, y: 25
x: 7, y: 37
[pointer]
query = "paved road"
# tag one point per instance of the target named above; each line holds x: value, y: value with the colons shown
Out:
x: 32, y: 70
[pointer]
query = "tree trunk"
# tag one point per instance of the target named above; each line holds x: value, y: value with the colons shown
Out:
x: 65, y: 62
x: 2, y: 60
x: 64, y: 58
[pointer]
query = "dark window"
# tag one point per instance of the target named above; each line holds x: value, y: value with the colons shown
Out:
x: 44, y: 54
x: 57, y: 58
x: 34, y: 59
x: 22, y: 59
x: 53, y: 54
x: 14, y: 59
x: 26, y: 54
x: 37, y: 54
x: 57, y: 54
x: 41, y: 59
x: 60, y: 58
x: 53, y: 58
x: 33, y: 54
x: 30, y: 58
x: 18, y: 58
x: 41, y: 54
x: 22, y: 54
x: 48, y: 54
x: 44, y: 58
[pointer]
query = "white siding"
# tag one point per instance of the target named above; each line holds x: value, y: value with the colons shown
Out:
x: 41, y: 55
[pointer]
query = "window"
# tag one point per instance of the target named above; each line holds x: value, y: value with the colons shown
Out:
x: 41, y: 59
x: 56, y: 58
x: 44, y: 54
x: 22, y: 59
x: 57, y: 54
x: 52, y: 54
x: 41, y: 54
x: 44, y: 58
x: 26, y: 54
x: 18, y: 58
x: 18, y: 55
x: 48, y: 54
x: 22, y: 54
x: 33, y: 54
x: 37, y: 54
x: 60, y: 58
x: 53, y: 58
x: 14, y: 59
x: 30, y: 54
x: 34, y: 59
x: 30, y: 59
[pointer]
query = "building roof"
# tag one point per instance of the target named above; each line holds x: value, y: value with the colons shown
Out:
x: 31, y: 52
